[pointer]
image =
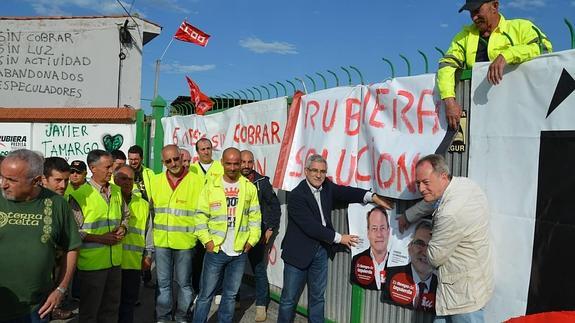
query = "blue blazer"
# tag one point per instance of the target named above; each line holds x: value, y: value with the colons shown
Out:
x: 305, y: 232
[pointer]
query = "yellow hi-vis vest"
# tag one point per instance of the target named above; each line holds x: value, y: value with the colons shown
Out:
x: 175, y: 211
x: 214, y: 171
x: 517, y: 40
x: 212, y: 210
x: 99, y: 218
x: 134, y: 242
x: 147, y: 175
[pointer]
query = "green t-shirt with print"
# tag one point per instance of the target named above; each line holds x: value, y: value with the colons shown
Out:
x: 29, y: 234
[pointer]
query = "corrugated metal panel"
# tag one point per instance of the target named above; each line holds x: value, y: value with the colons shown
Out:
x: 338, y: 293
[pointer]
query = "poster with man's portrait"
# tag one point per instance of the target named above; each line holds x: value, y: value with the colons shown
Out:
x: 392, y: 262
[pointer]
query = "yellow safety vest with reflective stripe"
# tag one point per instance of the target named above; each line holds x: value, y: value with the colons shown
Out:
x: 517, y: 40
x: 99, y: 218
x: 147, y: 175
x: 174, y: 211
x: 134, y: 242
x: 214, y: 171
x: 212, y: 210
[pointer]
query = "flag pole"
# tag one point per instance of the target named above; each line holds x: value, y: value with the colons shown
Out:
x: 158, y: 63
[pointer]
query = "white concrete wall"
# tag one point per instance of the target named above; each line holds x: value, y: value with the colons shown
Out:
x: 70, y: 62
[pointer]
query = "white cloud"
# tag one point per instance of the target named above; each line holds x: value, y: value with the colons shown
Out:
x: 257, y: 45
x: 527, y: 4
x: 177, y: 68
x: 443, y: 25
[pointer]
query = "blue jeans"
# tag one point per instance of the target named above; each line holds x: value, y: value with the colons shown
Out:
x: 473, y: 317
x: 33, y: 317
x: 167, y: 262
x: 217, y: 265
x: 258, y: 257
x: 294, y: 281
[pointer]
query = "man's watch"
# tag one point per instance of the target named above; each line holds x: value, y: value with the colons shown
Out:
x: 62, y: 290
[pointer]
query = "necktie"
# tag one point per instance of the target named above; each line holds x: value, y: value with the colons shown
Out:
x: 419, y: 298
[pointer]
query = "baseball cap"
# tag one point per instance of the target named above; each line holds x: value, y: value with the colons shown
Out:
x: 78, y: 166
x: 472, y: 5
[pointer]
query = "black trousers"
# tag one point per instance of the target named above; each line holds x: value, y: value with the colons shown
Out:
x: 130, y: 293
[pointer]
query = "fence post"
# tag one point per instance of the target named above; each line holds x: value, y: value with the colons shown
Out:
x: 140, y: 128
x: 158, y: 108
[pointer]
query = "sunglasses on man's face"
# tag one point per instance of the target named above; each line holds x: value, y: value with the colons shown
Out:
x: 169, y: 161
x: 73, y: 171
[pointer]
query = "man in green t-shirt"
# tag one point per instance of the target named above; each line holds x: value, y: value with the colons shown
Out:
x: 34, y: 221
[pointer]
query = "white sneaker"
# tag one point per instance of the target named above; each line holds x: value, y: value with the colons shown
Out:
x: 218, y: 299
x: 261, y: 314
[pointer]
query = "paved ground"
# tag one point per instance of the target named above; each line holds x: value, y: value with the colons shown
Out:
x: 145, y: 311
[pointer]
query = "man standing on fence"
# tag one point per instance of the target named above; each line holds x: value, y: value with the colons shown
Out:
x: 271, y: 213
x: 490, y: 38
x: 459, y: 248
x: 310, y: 236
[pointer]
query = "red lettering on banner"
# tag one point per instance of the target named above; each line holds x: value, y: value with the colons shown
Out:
x: 378, y: 108
x: 217, y: 140
x: 351, y: 116
x: 175, y: 135
x: 389, y: 159
x: 358, y: 176
x: 300, y: 159
x: 404, y: 118
x: 366, y: 100
x: 427, y: 113
x: 327, y: 127
x: 256, y: 134
x: 299, y: 163
x: 402, y: 169
x: 261, y: 168
x: 394, y: 113
x: 340, y: 166
x: 273, y: 255
x: 311, y: 118
x: 275, y: 132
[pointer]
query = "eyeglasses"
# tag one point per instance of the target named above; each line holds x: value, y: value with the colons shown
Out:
x: 73, y: 171
x: 419, y: 243
x: 169, y: 161
x: 316, y: 171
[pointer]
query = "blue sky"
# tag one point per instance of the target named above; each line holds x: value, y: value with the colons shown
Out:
x: 259, y: 42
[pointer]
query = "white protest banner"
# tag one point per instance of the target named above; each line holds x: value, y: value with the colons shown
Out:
x: 372, y: 136
x: 73, y: 141
x: 257, y: 126
x: 14, y: 136
x: 522, y: 144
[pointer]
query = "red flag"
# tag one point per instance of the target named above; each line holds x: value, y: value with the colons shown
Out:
x: 201, y: 101
x: 191, y: 34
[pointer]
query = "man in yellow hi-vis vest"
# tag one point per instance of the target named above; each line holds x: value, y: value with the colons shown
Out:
x: 490, y: 38
x: 102, y: 218
x: 230, y: 216
x: 208, y: 168
x: 174, y: 200
x: 136, y: 253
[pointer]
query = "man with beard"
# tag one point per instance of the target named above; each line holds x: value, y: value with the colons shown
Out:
x: 491, y: 38
x: 174, y: 200
x: 271, y: 213
x: 414, y: 284
x: 34, y: 221
x: 142, y: 175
